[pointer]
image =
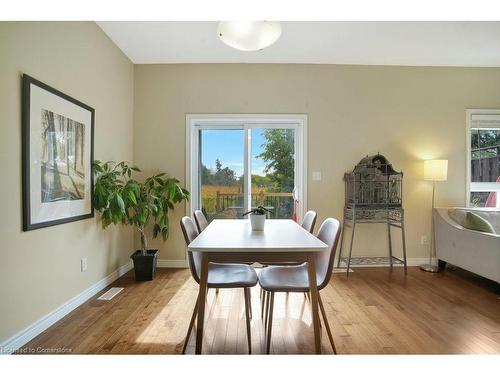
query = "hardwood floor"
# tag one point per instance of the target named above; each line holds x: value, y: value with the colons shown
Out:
x: 373, y: 311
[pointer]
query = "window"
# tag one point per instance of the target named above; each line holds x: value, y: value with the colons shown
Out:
x: 239, y: 162
x: 483, y: 158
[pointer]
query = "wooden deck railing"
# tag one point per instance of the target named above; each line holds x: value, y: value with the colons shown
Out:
x: 272, y: 201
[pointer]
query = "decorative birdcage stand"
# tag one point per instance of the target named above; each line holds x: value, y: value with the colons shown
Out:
x: 373, y: 195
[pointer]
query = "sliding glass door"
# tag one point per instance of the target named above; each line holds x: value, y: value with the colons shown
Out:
x: 239, y: 165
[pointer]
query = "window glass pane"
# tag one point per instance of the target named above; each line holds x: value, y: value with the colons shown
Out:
x: 273, y: 171
x: 483, y: 199
x: 485, y: 155
x: 221, y: 173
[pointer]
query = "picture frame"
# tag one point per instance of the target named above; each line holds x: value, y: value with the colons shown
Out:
x: 57, y: 156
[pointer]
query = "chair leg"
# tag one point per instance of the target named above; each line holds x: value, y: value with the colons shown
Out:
x: 216, y: 291
x: 270, y: 323
x: 323, y: 313
x: 250, y: 302
x: 262, y: 303
x: 247, y: 318
x: 266, y: 314
x: 191, y: 323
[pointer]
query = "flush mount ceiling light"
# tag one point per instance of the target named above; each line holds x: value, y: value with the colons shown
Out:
x: 249, y: 35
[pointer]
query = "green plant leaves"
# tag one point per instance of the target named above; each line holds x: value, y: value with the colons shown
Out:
x: 131, y: 196
x: 121, y: 199
x: 120, y: 202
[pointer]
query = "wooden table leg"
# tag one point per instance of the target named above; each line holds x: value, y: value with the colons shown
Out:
x: 313, y: 288
x: 202, y: 295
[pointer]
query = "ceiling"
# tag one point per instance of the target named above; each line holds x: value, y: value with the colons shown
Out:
x: 361, y: 43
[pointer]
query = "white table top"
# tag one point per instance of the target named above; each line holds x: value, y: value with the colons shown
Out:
x: 236, y: 235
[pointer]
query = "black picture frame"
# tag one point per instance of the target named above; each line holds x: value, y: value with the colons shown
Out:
x: 27, y: 83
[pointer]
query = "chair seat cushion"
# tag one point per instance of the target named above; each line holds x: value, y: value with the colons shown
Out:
x: 226, y: 275
x: 284, y: 278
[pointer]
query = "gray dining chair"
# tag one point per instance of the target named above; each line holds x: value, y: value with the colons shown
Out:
x: 201, y: 224
x: 201, y: 220
x: 275, y: 279
x: 309, y: 221
x: 308, y: 224
x: 221, y: 276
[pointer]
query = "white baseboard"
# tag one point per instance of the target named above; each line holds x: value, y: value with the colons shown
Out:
x: 419, y: 261
x: 411, y: 262
x: 168, y: 263
x: 19, y: 339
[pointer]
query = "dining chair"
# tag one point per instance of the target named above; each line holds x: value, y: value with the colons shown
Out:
x: 201, y: 220
x: 308, y: 224
x: 309, y: 221
x: 220, y: 275
x: 275, y: 279
x: 201, y: 224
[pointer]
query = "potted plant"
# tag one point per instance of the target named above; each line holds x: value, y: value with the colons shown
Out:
x: 121, y: 199
x: 257, y: 217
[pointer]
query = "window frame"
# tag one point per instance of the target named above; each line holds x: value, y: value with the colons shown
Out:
x: 195, y: 122
x: 474, y: 186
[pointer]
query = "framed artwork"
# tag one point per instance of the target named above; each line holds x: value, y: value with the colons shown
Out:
x: 58, y: 152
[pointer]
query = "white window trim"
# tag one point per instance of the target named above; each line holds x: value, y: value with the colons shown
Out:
x: 476, y: 186
x: 247, y: 121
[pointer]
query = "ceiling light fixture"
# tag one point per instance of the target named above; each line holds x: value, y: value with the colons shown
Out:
x: 249, y: 35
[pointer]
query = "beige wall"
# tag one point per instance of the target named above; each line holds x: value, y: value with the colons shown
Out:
x: 406, y: 113
x: 40, y: 269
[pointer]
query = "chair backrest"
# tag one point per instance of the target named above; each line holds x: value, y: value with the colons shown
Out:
x: 201, y: 220
x: 329, y: 233
x: 309, y: 221
x: 190, y: 233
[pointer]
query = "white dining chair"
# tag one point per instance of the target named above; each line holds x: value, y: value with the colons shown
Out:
x: 295, y: 278
x: 201, y: 220
x: 220, y: 276
x: 308, y: 224
x: 309, y: 221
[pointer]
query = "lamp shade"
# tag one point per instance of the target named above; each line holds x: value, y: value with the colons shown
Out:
x: 249, y: 35
x: 435, y: 170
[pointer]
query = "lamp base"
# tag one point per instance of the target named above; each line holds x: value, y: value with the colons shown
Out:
x: 429, y: 268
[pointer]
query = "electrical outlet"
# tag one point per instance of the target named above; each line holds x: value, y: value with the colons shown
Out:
x: 83, y: 264
x: 424, y: 240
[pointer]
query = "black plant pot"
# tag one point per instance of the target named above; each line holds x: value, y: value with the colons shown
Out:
x: 145, y: 265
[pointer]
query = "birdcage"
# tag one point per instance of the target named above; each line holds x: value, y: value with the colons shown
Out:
x: 373, y: 194
x: 373, y: 183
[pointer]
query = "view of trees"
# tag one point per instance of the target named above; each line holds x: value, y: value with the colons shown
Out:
x: 278, y: 155
x: 221, y: 176
x: 227, y: 177
x: 222, y: 188
x: 485, y: 143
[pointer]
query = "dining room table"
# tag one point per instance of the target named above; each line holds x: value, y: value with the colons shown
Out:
x: 233, y: 240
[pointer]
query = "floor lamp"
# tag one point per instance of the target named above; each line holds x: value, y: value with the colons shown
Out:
x: 434, y: 170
